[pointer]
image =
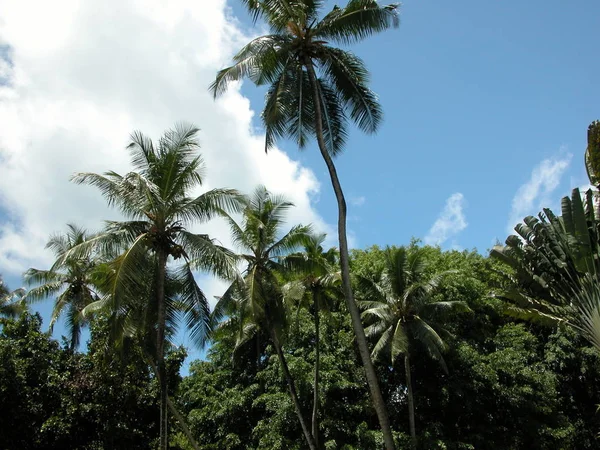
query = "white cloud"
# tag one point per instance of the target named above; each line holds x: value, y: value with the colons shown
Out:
x: 535, y: 193
x: 358, y: 201
x: 450, y: 222
x: 86, y: 74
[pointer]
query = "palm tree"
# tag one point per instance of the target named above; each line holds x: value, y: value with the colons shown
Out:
x: 70, y: 280
x: 397, y: 302
x: 11, y: 302
x: 318, y: 284
x: 311, y: 86
x: 156, y: 199
x: 258, y: 299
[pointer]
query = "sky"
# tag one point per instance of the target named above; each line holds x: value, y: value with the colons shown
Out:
x: 486, y: 109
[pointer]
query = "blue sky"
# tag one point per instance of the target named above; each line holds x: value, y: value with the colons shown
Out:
x: 482, y: 100
x: 476, y: 95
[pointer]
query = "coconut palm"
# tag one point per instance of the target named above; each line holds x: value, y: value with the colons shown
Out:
x: 152, y: 278
x: 257, y: 300
x: 315, y: 89
x: 397, y: 302
x: 71, y: 280
x: 11, y: 302
x: 317, y: 284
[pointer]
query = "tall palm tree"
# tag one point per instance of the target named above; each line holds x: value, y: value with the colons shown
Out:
x: 258, y: 298
x: 11, y: 302
x: 317, y: 284
x: 156, y: 199
x: 312, y: 85
x: 71, y: 280
x: 397, y: 302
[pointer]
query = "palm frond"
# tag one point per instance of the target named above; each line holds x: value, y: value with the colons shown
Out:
x: 357, y: 21
x: 12, y: 303
x: 196, y: 311
x: 262, y: 61
x: 209, y: 205
x: 383, y: 343
x: 430, y: 339
x: 118, y: 190
x: 44, y: 291
x: 209, y: 257
x: 349, y: 76
x: 399, y: 341
x: 292, y: 240
x: 37, y: 276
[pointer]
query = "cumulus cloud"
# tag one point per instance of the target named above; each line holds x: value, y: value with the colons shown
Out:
x: 77, y: 77
x: 535, y: 193
x: 450, y: 222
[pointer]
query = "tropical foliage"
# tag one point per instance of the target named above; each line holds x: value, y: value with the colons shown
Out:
x: 483, y: 352
x: 555, y: 262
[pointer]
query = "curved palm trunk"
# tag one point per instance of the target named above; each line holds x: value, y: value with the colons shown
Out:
x: 359, y: 331
x: 411, y: 402
x: 160, y: 347
x: 315, y: 422
x: 292, y: 389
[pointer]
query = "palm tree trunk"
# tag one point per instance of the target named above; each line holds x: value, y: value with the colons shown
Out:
x: 180, y: 419
x: 160, y: 347
x: 292, y: 389
x: 182, y: 424
x: 411, y: 402
x: 315, y: 422
x: 359, y: 332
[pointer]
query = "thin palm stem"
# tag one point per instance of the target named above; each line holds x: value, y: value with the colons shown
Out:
x: 359, y: 331
x: 292, y: 388
x: 160, y: 348
x: 315, y: 419
x: 411, y: 401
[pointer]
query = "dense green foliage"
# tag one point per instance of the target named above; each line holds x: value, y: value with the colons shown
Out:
x: 55, y: 398
x: 509, y: 385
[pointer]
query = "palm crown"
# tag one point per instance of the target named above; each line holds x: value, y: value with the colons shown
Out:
x: 155, y: 197
x: 264, y: 250
x: 398, y: 300
x: 11, y: 302
x: 71, y: 279
x: 299, y: 43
